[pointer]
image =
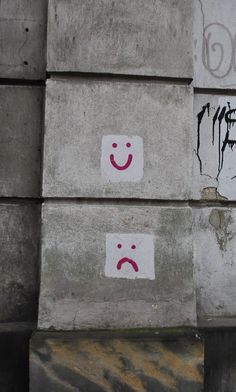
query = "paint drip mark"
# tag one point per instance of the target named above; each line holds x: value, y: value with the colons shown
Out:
x: 220, y: 118
x: 213, y: 125
x: 227, y: 141
x: 200, y: 117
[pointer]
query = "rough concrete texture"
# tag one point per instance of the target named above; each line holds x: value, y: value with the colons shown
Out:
x: 19, y: 241
x: 79, y: 113
x: 214, y: 43
x: 23, y: 39
x: 20, y: 140
x: 75, y: 293
x: 139, y: 37
x: 214, y: 129
x: 215, y: 266
x: 59, y: 362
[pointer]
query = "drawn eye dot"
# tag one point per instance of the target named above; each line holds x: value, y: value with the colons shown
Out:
x: 133, y: 247
x: 114, y: 145
x: 119, y: 246
x: 128, y: 145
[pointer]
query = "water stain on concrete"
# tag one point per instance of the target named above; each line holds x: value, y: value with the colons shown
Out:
x: 221, y: 221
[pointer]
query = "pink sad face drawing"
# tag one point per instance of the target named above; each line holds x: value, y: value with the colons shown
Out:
x: 122, y: 158
x: 130, y: 256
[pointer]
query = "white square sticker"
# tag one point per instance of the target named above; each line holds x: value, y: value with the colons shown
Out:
x: 130, y: 256
x: 122, y: 158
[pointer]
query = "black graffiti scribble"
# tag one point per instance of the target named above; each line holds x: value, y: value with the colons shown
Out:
x: 200, y: 117
x: 222, y: 114
x: 211, y: 47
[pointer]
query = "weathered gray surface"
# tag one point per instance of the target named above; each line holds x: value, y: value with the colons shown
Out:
x: 23, y: 39
x: 19, y: 242
x: 214, y: 43
x: 139, y: 37
x: 20, y: 140
x: 79, y: 113
x: 75, y: 293
x: 215, y: 265
x: 70, y: 362
x: 214, y: 131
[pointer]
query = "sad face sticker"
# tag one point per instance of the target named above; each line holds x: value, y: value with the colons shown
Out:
x: 130, y: 256
x: 122, y: 158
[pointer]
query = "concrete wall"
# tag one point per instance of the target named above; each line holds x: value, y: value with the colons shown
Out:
x: 135, y: 164
x: 19, y: 281
x: 214, y: 251
x: 20, y: 140
x: 214, y: 161
x: 134, y: 37
x: 82, y: 285
x: 131, y: 164
x: 22, y: 74
x: 84, y: 118
x: 23, y: 39
x: 214, y: 147
x: 214, y: 49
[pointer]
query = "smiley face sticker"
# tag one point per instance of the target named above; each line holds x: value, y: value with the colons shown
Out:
x: 122, y: 158
x: 130, y: 256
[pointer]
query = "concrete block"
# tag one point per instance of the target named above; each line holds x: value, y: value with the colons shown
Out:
x: 76, y: 290
x: 214, y: 147
x: 20, y: 140
x: 19, y: 240
x: 138, y: 37
x: 117, y: 139
x: 23, y: 39
x: 214, y: 44
x: 215, y: 266
x: 66, y: 361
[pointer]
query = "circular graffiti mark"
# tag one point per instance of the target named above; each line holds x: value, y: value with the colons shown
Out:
x: 218, y: 50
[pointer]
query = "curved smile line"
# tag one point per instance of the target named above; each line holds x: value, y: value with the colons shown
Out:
x: 125, y: 166
x: 126, y: 260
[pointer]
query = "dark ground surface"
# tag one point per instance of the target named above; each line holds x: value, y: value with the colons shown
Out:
x: 14, y: 361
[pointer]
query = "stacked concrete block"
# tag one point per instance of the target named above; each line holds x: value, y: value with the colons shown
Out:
x: 214, y: 180
x: 214, y: 175
x: 23, y: 39
x: 21, y: 110
x: 214, y: 236
x: 214, y: 44
x: 117, y: 244
x: 22, y: 70
x: 20, y: 144
x: 133, y: 37
x: 93, y: 128
x: 116, y: 267
x: 19, y: 262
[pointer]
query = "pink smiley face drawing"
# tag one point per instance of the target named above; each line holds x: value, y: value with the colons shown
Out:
x: 122, y: 158
x: 130, y: 256
x: 128, y: 162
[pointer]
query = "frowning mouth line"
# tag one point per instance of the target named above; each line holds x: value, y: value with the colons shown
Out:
x: 121, y: 167
x: 127, y: 260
